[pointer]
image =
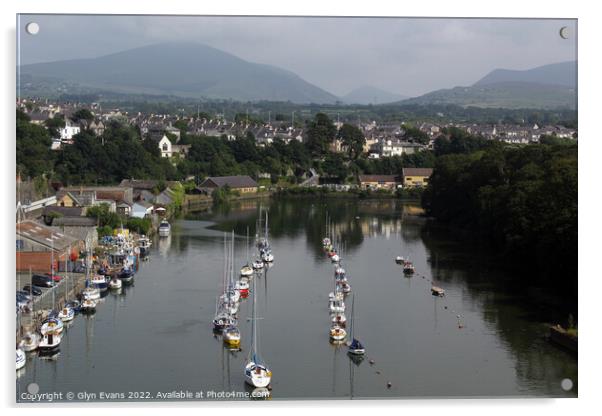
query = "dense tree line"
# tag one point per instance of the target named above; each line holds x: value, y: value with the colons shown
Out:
x: 121, y: 153
x: 521, y: 199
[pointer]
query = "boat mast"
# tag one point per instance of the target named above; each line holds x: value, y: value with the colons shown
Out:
x: 352, y: 312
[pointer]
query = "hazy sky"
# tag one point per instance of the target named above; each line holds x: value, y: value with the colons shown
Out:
x: 405, y: 56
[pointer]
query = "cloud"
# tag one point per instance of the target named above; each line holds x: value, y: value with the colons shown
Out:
x: 405, y: 56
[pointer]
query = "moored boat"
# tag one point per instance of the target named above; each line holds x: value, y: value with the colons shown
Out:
x: 337, y: 333
x: 21, y: 358
x: 257, y: 373
x: 49, y: 342
x: 30, y: 341
x: 54, y: 325
x: 115, y: 283
x: 437, y: 291
x: 231, y: 336
x: 164, y: 229
x: 66, y: 314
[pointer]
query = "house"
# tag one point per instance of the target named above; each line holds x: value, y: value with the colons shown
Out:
x: 124, y: 208
x: 416, y: 177
x: 165, y: 146
x: 379, y: 181
x: 69, y: 131
x: 243, y: 184
x: 37, y: 245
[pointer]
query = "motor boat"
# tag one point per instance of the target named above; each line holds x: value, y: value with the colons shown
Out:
x: 115, y: 283
x: 21, y: 358
x: 231, y: 336
x: 54, y: 325
x: 164, y: 229
x: 30, y: 341
x: 66, y: 314
x: 399, y: 260
x: 144, y: 244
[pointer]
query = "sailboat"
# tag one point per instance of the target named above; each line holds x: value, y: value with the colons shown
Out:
x: 30, y: 341
x: 257, y: 373
x: 231, y: 336
x: 226, y: 307
x: 263, y: 244
x: 355, y: 347
x: 67, y: 313
x: 247, y: 269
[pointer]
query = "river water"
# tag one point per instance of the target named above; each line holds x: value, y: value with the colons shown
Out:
x: 156, y: 336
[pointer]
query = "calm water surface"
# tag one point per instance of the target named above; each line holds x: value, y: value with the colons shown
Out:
x: 156, y: 336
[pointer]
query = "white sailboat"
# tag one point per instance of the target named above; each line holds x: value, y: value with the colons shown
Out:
x: 247, y: 269
x: 257, y: 373
x: 66, y: 314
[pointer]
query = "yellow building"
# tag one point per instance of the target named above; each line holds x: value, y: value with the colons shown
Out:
x: 416, y: 177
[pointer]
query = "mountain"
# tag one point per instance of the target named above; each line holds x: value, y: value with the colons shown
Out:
x: 563, y: 74
x: 545, y: 87
x: 181, y: 69
x: 371, y: 95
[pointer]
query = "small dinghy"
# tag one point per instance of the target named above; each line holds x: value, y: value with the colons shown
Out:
x: 30, y: 341
x: 115, y: 283
x: 399, y: 260
x: 49, y: 343
x: 337, y: 333
x: 335, y: 258
x: 21, y: 359
x: 66, y: 314
x: 231, y: 336
x: 54, y: 325
x: 437, y: 291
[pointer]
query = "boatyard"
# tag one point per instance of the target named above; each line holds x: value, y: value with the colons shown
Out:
x: 249, y: 301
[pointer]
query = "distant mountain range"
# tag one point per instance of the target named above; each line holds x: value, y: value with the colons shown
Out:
x: 371, y: 95
x: 192, y: 70
x: 182, y: 69
x: 546, y: 87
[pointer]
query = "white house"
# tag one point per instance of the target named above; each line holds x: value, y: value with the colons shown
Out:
x: 165, y: 146
x: 69, y: 131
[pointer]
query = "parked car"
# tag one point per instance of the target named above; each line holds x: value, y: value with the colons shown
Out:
x: 55, y: 277
x: 34, y: 290
x: 42, y: 281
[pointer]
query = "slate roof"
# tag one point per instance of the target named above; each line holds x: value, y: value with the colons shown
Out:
x: 41, y: 235
x: 417, y: 171
x: 243, y: 181
x: 74, y: 222
x: 64, y: 211
x: 379, y: 178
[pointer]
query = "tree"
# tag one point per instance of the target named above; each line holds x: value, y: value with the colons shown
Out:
x: 82, y: 114
x: 319, y: 135
x: 34, y: 156
x: 54, y: 124
x: 353, y: 139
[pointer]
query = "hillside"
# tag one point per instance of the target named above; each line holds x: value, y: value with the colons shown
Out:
x: 371, y: 95
x: 180, y: 69
x: 562, y: 74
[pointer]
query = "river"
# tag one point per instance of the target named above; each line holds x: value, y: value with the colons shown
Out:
x: 156, y: 336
